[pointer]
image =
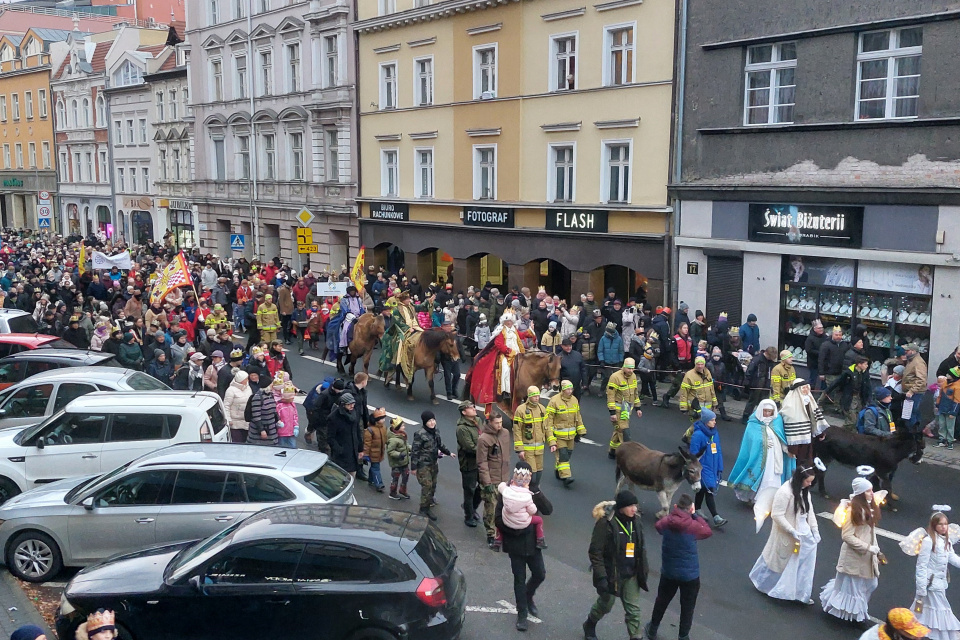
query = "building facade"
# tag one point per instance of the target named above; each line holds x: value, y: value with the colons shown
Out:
x: 272, y: 89
x: 520, y: 142
x: 26, y: 124
x: 818, y: 170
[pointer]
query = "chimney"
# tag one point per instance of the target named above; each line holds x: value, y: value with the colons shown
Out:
x: 76, y: 22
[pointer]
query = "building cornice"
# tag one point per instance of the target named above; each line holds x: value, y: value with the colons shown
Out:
x: 426, y: 14
x: 573, y: 206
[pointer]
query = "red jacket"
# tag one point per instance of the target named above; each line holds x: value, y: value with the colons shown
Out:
x: 685, y: 349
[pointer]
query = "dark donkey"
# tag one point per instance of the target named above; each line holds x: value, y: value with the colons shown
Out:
x: 853, y: 449
x: 657, y: 471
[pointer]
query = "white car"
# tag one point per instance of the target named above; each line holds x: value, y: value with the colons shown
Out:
x: 101, y: 431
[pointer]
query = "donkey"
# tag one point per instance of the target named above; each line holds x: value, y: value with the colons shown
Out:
x: 657, y: 471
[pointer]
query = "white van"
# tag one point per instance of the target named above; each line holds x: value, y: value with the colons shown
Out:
x: 101, y: 431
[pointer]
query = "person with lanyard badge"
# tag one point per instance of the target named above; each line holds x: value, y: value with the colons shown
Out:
x: 705, y: 444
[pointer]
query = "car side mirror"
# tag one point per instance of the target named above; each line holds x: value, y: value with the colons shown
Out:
x: 194, y: 582
x: 40, y: 443
x: 88, y: 503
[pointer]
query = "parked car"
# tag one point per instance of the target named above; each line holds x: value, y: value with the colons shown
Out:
x: 19, y: 366
x: 178, y: 493
x: 38, y: 397
x: 11, y: 343
x: 103, y: 430
x: 335, y: 572
x: 17, y: 321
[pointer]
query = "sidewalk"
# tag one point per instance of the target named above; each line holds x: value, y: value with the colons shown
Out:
x: 18, y: 610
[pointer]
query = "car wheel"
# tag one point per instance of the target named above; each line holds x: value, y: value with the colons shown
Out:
x: 373, y: 633
x: 8, y: 489
x: 34, y: 556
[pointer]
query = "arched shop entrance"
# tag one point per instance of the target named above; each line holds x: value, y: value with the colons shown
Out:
x: 388, y: 256
x: 433, y: 266
x: 478, y: 269
x: 553, y: 276
x: 626, y: 282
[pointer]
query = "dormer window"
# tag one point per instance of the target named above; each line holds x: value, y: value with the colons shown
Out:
x: 127, y: 74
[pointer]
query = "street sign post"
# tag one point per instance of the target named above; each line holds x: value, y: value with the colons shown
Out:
x: 237, y: 242
x: 305, y: 217
x: 308, y: 248
x: 45, y: 223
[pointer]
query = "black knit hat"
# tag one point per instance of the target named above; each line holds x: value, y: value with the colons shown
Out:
x: 625, y: 499
x: 426, y: 417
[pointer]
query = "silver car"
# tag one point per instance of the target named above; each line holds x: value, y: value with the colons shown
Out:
x: 182, y: 492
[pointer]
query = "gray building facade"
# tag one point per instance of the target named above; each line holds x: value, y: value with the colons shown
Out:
x: 817, y: 167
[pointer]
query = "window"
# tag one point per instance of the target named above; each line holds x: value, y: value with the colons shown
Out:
x: 240, y: 79
x: 42, y: 99
x: 74, y: 113
x: 174, y: 106
x: 264, y: 489
x: 265, y: 84
x: 141, y: 488
x: 15, y: 99
x: 332, y: 140
x: 296, y: 155
x: 264, y: 6
x: 85, y: 108
x: 88, y: 166
x: 77, y: 168
x: 45, y: 150
x: 888, y: 73
x: 485, y: 71
x: 29, y: 402
x: 617, y: 170
x: 322, y: 563
x: 239, y: 9
x: 216, y: 70
x: 619, y: 47
x: 133, y: 180
x: 770, y: 83
x: 117, y: 133
x: 64, y: 175
x: 563, y: 62
x: 331, y: 59
x: 243, y: 157
x: 146, y: 179
x: 131, y: 139
x: 143, y: 131
x: 219, y: 159
x: 423, y: 186
x: 213, y: 11
x: 293, y: 67
x: 121, y: 182
x: 102, y: 162
x: 389, y: 172
x: 101, y: 111
x: 160, y: 117
x: 199, y: 487
x: 421, y: 3
x: 485, y: 173
x: 28, y: 103
x: 32, y: 154
x: 61, y: 112
x: 271, y: 563
x: 3, y: 110
x: 162, y: 161
x: 134, y: 427
x: 69, y: 391
x: 269, y: 156
x: 177, y: 175
x: 18, y: 149
x: 562, y: 173
x: 423, y: 81
x: 74, y: 428
x: 388, y: 85
x: 127, y: 74
x: 388, y: 6
x: 7, y: 163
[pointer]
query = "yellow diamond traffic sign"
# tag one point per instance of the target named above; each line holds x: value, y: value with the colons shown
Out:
x: 305, y: 217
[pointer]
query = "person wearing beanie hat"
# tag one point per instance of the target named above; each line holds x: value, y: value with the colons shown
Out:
x: 374, y: 447
x: 750, y: 334
x: 160, y: 367
x: 551, y: 338
x: 234, y: 403
x: 609, y: 351
x: 705, y: 444
x: 876, y: 419
x: 697, y: 389
x: 854, y: 386
x: 28, y: 632
x: 847, y: 596
x: 564, y: 424
x: 618, y: 560
x: 469, y: 426
x: 680, y: 359
x: 758, y: 379
x: 425, y: 453
x: 398, y: 456
x: 698, y: 328
x: 622, y: 398
x: 344, y: 434
x: 782, y: 376
x: 529, y: 436
x: 263, y: 409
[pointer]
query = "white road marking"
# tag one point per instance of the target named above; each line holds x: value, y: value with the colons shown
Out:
x: 880, y: 532
x: 512, y: 609
x: 488, y: 609
x: 589, y: 441
x: 375, y: 377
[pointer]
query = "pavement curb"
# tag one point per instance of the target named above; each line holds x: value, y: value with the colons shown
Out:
x: 18, y: 609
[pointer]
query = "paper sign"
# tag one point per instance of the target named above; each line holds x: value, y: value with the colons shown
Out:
x: 907, y: 409
x: 332, y: 289
x: 103, y: 261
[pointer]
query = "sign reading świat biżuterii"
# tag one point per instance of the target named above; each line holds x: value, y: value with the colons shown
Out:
x: 398, y: 211
x: 806, y: 224
x: 589, y: 220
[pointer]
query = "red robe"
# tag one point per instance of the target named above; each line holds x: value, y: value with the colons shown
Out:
x: 482, y: 377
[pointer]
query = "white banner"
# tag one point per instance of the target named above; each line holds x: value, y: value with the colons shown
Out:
x: 103, y: 261
x: 332, y: 289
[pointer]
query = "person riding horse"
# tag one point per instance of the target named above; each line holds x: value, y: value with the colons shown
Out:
x: 396, y: 345
x: 338, y: 327
x: 493, y: 366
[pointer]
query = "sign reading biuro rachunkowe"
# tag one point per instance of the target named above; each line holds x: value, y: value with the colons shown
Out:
x: 496, y: 217
x: 397, y: 211
x: 591, y: 221
x: 823, y: 226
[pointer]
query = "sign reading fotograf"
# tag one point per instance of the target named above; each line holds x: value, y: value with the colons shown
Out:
x: 489, y: 217
x: 823, y: 226
x: 593, y: 221
x: 399, y: 211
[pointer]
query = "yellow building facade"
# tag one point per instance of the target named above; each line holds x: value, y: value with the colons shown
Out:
x: 526, y: 142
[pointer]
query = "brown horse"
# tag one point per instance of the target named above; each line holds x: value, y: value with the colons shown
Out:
x: 367, y: 331
x: 645, y: 468
x: 429, y: 343
x: 531, y: 369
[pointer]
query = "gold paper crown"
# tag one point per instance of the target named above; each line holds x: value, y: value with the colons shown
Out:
x: 541, y: 289
x: 837, y: 327
x: 735, y: 331
x: 99, y: 619
x: 278, y: 379
x: 289, y: 388
x: 236, y: 353
x: 723, y: 314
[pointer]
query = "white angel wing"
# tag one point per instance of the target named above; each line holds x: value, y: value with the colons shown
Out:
x: 911, y: 544
x: 953, y: 533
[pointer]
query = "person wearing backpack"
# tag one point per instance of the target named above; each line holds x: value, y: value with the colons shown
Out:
x: 398, y: 453
x: 374, y: 446
x: 877, y: 419
x: 261, y: 415
x: 854, y: 386
x: 318, y: 412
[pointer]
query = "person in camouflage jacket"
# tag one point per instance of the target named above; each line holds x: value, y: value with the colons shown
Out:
x: 426, y: 451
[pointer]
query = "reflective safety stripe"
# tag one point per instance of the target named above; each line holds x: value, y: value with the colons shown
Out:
x: 565, y: 433
x: 518, y: 443
x: 614, y: 445
x: 563, y: 466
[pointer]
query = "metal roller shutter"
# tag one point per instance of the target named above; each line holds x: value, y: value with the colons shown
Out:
x: 724, y: 288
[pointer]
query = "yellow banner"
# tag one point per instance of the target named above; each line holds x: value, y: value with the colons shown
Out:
x: 356, y: 274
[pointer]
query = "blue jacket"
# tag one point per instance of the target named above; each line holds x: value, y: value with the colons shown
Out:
x: 610, y: 349
x: 750, y: 337
x: 712, y: 463
x: 681, y: 530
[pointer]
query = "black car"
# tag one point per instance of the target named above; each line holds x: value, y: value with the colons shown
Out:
x: 325, y: 572
x: 24, y: 364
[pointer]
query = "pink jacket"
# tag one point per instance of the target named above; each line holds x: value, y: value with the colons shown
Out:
x: 518, y: 507
x: 287, y: 413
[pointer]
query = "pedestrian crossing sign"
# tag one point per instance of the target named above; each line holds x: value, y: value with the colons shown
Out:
x: 44, y: 223
x: 237, y: 242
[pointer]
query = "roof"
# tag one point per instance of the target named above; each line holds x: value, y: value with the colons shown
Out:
x: 55, y: 35
x: 331, y: 521
x: 98, y: 61
x: 79, y: 374
x: 169, y: 64
x: 152, y: 49
x: 142, y: 399
x: 229, y: 453
x: 13, y: 21
x: 63, y: 356
x: 29, y: 340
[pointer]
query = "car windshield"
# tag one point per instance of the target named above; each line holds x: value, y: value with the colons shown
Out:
x: 142, y: 382
x: 23, y: 324
x: 194, y: 555
x: 30, y: 433
x: 89, y: 482
x: 329, y: 480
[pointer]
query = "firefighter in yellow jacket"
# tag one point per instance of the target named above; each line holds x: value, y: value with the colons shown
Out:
x: 698, y: 385
x: 782, y: 376
x: 529, y: 435
x: 564, y: 425
x: 622, y: 397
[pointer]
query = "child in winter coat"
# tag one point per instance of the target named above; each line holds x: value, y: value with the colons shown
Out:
x: 398, y: 455
x: 424, y: 320
x: 288, y: 427
x: 946, y: 398
x: 374, y: 446
x: 705, y: 444
x: 481, y: 334
x: 519, y: 512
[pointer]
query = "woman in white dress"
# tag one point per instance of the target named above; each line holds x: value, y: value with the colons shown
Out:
x: 847, y: 596
x: 933, y: 560
x: 785, y: 568
x: 763, y: 463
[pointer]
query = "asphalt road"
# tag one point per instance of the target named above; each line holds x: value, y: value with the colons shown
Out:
x: 728, y: 605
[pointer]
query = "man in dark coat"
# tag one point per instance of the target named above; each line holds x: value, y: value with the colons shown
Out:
x: 758, y: 380
x: 318, y: 416
x: 468, y: 434
x: 618, y: 558
x: 346, y: 444
x: 75, y: 335
x: 572, y: 367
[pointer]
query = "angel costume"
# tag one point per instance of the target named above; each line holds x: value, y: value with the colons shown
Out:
x: 763, y: 463
x: 933, y: 560
x: 802, y: 420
